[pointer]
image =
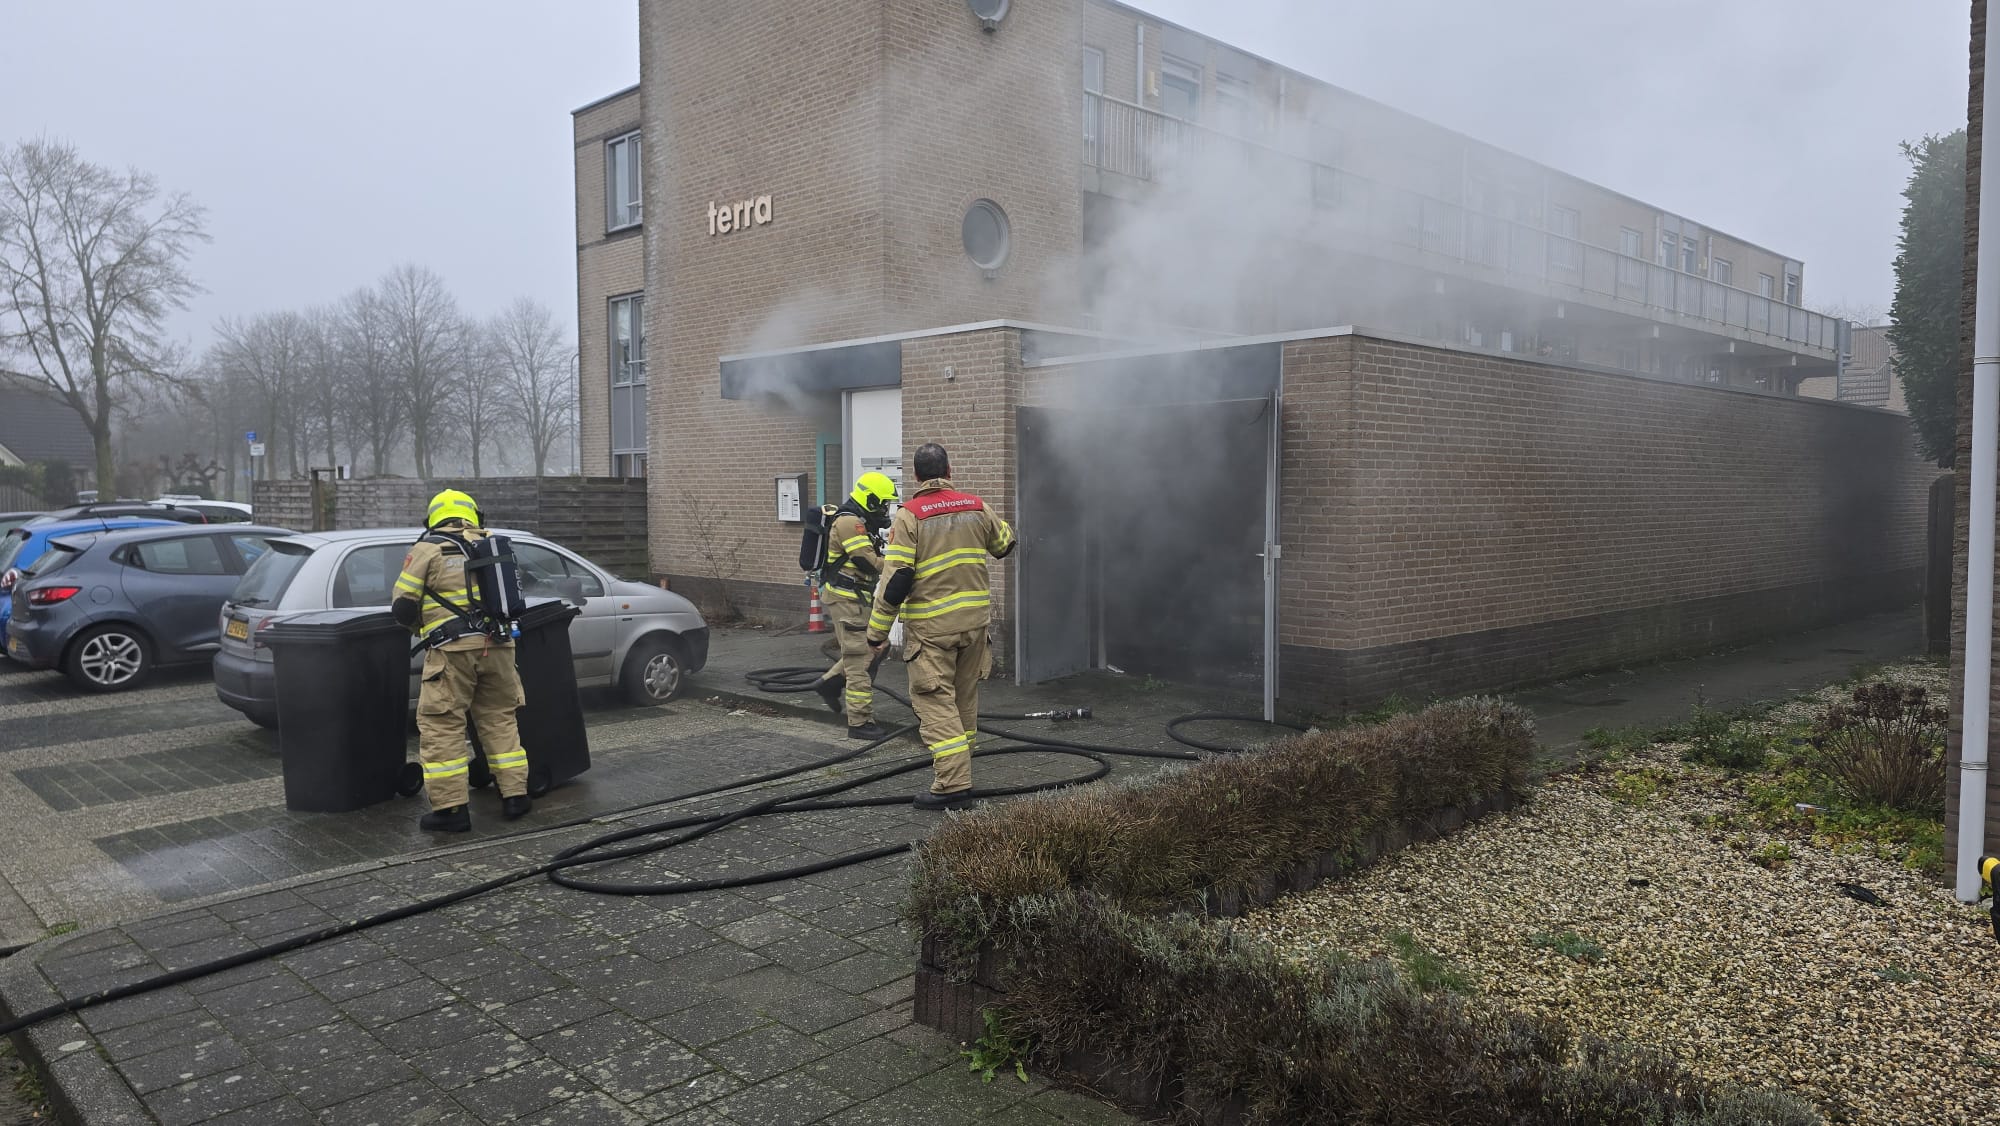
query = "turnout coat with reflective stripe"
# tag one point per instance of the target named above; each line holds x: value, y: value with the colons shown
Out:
x: 441, y: 567
x: 944, y: 537
x: 848, y: 536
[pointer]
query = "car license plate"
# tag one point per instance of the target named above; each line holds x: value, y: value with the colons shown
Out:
x: 239, y: 629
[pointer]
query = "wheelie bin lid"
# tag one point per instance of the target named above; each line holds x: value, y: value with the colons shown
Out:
x: 332, y: 627
x: 547, y: 611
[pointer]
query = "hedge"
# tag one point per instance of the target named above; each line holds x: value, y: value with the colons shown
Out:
x: 1086, y: 911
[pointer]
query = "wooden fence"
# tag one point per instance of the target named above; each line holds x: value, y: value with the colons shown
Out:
x: 600, y: 518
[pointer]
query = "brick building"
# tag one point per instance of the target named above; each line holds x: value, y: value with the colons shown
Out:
x: 862, y: 219
x: 1867, y: 374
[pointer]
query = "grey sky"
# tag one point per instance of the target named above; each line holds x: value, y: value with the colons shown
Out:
x: 330, y: 142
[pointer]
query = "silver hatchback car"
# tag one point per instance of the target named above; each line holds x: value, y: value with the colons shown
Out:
x: 644, y: 640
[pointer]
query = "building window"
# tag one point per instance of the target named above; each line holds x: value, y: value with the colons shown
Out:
x: 1236, y: 105
x: 1766, y: 285
x: 1566, y: 225
x: 1791, y: 288
x: 1093, y: 104
x: 1326, y: 187
x: 628, y: 386
x: 986, y: 234
x: 1690, y: 256
x: 1628, y: 242
x: 623, y: 200
x: 1670, y: 250
x: 1721, y: 270
x: 1180, y: 89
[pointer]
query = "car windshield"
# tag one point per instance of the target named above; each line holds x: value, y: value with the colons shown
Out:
x: 265, y: 582
x: 10, y: 546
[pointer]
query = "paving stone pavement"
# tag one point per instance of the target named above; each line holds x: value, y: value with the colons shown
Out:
x: 787, y: 1002
x: 782, y: 1003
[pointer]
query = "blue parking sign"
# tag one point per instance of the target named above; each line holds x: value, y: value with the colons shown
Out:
x: 249, y: 435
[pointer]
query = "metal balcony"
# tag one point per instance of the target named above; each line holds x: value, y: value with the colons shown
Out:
x: 1127, y: 140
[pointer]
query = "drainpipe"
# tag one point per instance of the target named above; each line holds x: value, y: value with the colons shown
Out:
x: 1979, y: 538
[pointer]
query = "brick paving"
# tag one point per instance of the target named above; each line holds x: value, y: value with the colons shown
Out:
x: 778, y: 1003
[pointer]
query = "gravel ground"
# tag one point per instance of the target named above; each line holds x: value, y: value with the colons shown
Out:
x: 1743, y: 964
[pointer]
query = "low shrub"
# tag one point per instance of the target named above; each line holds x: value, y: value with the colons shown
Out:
x: 1425, y: 970
x: 1569, y: 944
x: 1717, y: 739
x: 1224, y: 825
x: 1884, y: 747
x: 1084, y: 902
x: 1332, y: 1041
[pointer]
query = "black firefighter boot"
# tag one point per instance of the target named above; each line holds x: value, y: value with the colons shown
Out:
x: 450, y: 819
x: 830, y: 689
x: 516, y: 807
x: 870, y: 731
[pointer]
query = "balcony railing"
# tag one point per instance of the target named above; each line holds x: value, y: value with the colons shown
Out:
x: 1132, y: 141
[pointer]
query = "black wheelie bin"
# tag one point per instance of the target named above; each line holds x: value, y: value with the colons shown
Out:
x: 343, y: 688
x: 552, y: 720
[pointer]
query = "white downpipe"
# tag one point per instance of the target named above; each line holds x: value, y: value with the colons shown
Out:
x: 1979, y: 534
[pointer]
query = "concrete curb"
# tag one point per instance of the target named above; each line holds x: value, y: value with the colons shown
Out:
x: 81, y: 1085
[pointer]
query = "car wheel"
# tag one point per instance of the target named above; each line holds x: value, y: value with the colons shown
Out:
x: 109, y: 659
x: 266, y: 720
x: 655, y: 672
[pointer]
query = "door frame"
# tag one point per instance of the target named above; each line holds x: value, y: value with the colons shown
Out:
x: 1271, y: 557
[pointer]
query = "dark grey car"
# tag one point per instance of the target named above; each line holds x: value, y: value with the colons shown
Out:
x: 108, y: 608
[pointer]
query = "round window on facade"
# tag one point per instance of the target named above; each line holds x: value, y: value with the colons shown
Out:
x: 990, y: 12
x: 986, y: 235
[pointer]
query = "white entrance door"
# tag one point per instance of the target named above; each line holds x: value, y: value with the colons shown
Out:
x: 872, y: 437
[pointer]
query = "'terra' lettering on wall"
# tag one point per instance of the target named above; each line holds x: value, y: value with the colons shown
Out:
x: 736, y: 216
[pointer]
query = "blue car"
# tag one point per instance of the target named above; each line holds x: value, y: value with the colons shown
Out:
x: 21, y: 546
x: 107, y: 608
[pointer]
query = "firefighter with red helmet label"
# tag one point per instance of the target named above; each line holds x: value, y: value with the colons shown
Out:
x: 936, y: 580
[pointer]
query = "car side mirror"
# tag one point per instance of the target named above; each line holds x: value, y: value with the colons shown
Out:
x: 571, y: 589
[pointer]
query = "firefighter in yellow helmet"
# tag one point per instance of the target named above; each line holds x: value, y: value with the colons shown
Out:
x: 468, y: 669
x: 936, y: 580
x: 853, y: 563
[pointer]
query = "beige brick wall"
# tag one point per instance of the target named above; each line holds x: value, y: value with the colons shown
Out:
x: 852, y: 116
x: 607, y: 266
x: 971, y: 415
x: 1476, y: 493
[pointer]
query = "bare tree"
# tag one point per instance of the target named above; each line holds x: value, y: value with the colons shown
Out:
x: 371, y: 395
x: 482, y: 407
x: 324, y: 379
x: 265, y: 361
x: 533, y: 358
x: 425, y: 347
x: 91, y: 263
x: 1864, y: 313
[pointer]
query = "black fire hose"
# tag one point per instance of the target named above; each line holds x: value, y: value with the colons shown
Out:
x: 600, y: 850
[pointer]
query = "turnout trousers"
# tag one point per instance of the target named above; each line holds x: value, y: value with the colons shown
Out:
x: 850, y: 627
x: 944, y: 688
x: 482, y: 684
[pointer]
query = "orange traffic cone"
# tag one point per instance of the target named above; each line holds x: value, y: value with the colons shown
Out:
x: 815, y: 616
